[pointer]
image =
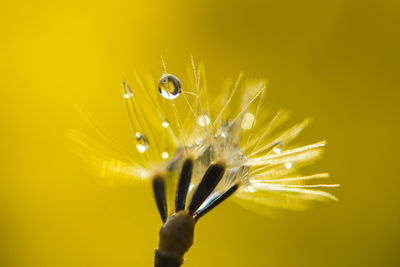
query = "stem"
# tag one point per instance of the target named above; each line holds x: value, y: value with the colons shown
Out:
x: 176, y: 237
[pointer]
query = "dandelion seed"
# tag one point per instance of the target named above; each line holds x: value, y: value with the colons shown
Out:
x: 235, y: 158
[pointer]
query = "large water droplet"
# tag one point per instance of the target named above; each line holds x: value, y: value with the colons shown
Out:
x: 164, y: 155
x: 203, y: 120
x: 169, y: 86
x: 142, y: 144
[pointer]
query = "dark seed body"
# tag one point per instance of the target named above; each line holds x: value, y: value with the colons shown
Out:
x: 210, y: 180
x: 183, y: 185
x: 217, y: 201
x: 159, y: 195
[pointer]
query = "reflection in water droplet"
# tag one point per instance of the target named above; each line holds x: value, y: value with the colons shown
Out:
x: 210, y: 199
x: 203, y: 120
x: 164, y: 155
x: 142, y: 144
x: 247, y: 121
x: 191, y: 186
x: 169, y: 86
x: 165, y: 123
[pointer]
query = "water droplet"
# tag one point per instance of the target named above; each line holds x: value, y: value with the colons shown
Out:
x: 277, y: 148
x: 142, y: 144
x: 248, y: 120
x: 165, y: 123
x: 198, y: 141
x: 128, y: 91
x: 164, y: 155
x: 250, y: 189
x: 169, y: 86
x: 203, y: 120
x: 288, y: 165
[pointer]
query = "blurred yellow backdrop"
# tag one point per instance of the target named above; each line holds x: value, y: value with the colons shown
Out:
x: 337, y: 61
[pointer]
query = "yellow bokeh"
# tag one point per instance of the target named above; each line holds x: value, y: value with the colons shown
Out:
x: 336, y: 61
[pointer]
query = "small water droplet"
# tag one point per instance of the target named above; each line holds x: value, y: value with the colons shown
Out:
x: 198, y: 141
x: 165, y: 123
x: 250, y: 189
x: 247, y: 122
x: 142, y: 144
x: 169, y: 86
x: 277, y: 148
x: 128, y: 95
x: 128, y: 91
x: 288, y: 165
x: 164, y: 155
x: 203, y: 120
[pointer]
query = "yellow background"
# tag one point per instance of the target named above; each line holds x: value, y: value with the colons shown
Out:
x: 337, y: 61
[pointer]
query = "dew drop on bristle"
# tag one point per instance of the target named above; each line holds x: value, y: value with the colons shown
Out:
x: 128, y: 95
x: 203, y: 120
x: 164, y: 155
x: 165, y: 123
x: 277, y: 148
x: 142, y: 144
x: 288, y: 165
x: 169, y: 86
x: 248, y: 120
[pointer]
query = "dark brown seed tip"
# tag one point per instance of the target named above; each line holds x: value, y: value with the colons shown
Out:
x: 210, y: 180
x: 183, y: 184
x: 159, y: 196
x: 217, y: 201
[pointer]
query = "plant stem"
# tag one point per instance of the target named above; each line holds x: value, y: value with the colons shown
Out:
x: 176, y: 237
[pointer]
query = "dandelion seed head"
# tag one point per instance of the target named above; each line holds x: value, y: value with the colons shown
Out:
x: 229, y: 127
